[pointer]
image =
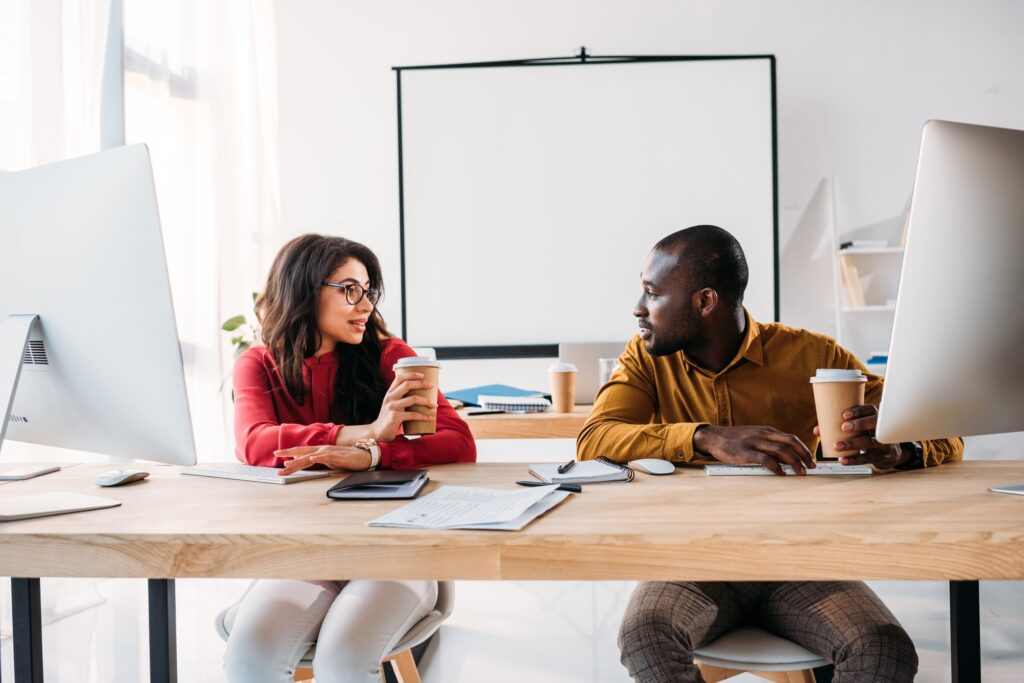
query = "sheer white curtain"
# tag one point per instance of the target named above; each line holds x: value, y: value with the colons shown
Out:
x: 201, y: 92
x: 52, y: 66
x: 200, y: 89
x: 51, y: 69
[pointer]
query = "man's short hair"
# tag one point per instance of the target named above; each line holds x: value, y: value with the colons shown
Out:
x: 711, y: 257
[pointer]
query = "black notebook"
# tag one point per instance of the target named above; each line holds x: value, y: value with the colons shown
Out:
x: 380, y: 484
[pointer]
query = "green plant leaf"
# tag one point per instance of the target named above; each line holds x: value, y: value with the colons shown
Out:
x: 241, y: 347
x: 239, y: 340
x: 232, y: 324
x: 255, y: 295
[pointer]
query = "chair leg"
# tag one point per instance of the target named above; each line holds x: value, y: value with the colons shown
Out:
x: 802, y: 676
x: 404, y: 667
x: 714, y: 674
x: 303, y: 675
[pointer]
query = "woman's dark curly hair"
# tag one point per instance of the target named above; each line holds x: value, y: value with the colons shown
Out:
x: 286, y: 310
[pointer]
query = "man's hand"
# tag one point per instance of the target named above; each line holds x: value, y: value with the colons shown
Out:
x: 754, y: 445
x: 335, y: 457
x: 881, y: 456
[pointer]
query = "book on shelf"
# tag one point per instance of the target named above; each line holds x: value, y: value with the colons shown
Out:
x: 864, y: 244
x: 851, y: 283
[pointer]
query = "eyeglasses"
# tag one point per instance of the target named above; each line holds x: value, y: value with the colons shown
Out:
x: 354, y: 293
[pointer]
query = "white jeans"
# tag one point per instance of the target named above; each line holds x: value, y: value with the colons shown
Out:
x: 353, y: 624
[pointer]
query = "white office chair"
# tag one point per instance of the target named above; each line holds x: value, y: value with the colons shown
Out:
x: 400, y: 658
x: 754, y: 650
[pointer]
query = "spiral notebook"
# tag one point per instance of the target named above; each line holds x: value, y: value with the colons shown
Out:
x: 515, y: 404
x: 584, y: 472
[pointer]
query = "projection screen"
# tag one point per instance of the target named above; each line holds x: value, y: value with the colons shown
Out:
x: 531, y: 192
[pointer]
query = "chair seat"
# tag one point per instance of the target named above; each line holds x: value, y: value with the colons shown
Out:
x: 753, y: 649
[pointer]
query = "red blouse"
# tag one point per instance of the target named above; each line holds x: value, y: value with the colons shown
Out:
x: 267, y: 418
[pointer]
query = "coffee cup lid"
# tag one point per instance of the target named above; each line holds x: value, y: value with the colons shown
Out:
x: 416, y: 361
x: 562, y: 367
x: 837, y: 375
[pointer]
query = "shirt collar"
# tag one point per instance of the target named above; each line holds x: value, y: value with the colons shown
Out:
x: 752, y: 348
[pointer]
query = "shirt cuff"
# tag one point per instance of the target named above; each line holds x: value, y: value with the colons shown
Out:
x: 394, y: 453
x: 679, y: 442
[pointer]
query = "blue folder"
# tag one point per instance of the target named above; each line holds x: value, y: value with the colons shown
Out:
x: 469, y: 396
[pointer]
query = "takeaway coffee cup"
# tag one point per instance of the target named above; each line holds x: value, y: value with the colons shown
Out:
x: 835, y: 392
x: 563, y: 386
x: 430, y: 370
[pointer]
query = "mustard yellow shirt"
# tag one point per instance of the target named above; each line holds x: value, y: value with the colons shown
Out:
x: 652, y: 405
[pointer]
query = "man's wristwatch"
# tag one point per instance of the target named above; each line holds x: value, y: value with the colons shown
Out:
x: 916, y: 459
x: 371, y: 447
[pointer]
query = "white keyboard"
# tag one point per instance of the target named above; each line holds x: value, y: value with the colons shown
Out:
x: 823, y: 468
x: 266, y: 475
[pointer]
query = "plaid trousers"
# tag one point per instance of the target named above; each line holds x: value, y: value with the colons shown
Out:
x: 844, y: 622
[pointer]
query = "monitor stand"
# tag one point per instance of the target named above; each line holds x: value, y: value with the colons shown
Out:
x: 15, y: 331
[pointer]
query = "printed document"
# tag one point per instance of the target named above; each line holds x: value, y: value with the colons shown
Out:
x: 467, y: 507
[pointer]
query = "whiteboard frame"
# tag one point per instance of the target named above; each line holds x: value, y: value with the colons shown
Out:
x: 581, y: 59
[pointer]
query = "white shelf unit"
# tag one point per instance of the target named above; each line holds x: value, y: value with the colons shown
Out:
x: 864, y: 324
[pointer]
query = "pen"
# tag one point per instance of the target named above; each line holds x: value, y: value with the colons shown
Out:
x: 571, y: 488
x: 562, y: 469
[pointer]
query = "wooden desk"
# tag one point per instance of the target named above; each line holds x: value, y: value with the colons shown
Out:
x: 940, y: 523
x: 529, y: 426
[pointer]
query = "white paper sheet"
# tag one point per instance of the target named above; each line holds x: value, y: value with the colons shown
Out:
x: 467, y: 507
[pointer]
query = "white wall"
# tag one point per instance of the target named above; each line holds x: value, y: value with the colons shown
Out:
x: 856, y: 80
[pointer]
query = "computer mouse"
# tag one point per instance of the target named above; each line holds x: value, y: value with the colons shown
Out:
x: 653, y: 466
x: 118, y: 477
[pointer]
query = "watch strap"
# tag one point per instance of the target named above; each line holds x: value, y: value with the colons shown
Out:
x: 916, y: 460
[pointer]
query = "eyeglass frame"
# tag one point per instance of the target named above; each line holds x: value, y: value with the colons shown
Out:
x: 363, y: 292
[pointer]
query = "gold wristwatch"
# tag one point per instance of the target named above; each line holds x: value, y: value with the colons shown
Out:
x: 371, y: 447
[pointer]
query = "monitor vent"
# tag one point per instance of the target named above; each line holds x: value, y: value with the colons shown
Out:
x: 16, y: 418
x: 35, y: 354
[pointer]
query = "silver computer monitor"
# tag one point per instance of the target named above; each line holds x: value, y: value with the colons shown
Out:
x: 84, y: 281
x: 955, y: 364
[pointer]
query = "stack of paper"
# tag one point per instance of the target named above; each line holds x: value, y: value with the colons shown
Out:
x: 467, y: 507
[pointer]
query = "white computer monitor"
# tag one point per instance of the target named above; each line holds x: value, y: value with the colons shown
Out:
x: 955, y: 364
x: 83, y: 281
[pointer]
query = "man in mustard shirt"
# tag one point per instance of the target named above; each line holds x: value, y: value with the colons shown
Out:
x: 703, y: 380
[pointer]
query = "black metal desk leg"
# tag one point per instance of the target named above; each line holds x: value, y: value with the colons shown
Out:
x: 163, y: 662
x: 28, y: 631
x: 965, y: 631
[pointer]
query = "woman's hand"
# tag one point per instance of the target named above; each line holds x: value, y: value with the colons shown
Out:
x: 335, y: 457
x: 397, y: 401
